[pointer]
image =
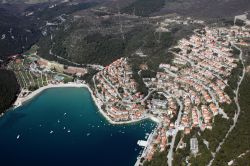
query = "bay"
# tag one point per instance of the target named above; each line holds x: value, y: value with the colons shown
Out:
x: 62, y: 126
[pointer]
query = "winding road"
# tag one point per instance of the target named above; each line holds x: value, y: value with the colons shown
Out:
x: 236, y: 99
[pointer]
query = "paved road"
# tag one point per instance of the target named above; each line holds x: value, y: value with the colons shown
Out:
x: 184, y: 58
x: 177, y: 123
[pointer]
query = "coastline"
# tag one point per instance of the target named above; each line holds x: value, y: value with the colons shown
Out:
x: 21, y: 100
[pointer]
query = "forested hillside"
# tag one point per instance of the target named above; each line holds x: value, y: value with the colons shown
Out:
x: 22, y: 25
x: 144, y: 7
x: 95, y: 39
x: 238, y: 141
x: 16, y: 32
x: 26, y: 1
x: 8, y: 89
x: 206, y: 9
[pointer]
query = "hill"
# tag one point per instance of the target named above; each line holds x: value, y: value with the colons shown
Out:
x: 17, y: 33
x: 206, y: 9
x: 25, y: 1
x: 8, y: 89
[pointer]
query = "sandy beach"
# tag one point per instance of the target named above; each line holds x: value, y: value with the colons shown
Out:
x: 21, y: 100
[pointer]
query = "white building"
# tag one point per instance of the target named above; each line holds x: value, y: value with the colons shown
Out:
x: 194, y: 146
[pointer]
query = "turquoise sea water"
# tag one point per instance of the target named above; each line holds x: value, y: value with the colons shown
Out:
x: 62, y: 126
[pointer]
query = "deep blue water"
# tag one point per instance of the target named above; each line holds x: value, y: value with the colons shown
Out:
x: 81, y: 136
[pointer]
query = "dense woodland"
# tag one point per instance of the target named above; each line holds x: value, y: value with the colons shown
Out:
x: 159, y: 159
x: 144, y: 7
x: 8, y: 89
x: 19, y: 32
x: 16, y: 33
x: 45, y: 13
x: 238, y: 141
x: 206, y: 9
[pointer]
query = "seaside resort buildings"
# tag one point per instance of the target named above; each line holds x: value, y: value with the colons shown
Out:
x: 190, y: 89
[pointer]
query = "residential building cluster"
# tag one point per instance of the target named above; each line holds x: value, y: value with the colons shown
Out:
x: 194, y: 83
x: 117, y: 90
x: 185, y: 94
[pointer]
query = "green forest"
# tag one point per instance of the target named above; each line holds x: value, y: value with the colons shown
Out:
x: 8, y: 89
x: 238, y: 141
x: 144, y: 7
x: 159, y: 159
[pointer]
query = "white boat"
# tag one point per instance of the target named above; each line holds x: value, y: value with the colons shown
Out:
x: 18, y: 136
x: 142, y: 143
x: 51, y: 132
x: 68, y: 131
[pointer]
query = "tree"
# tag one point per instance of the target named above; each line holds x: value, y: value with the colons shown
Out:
x: 8, y: 89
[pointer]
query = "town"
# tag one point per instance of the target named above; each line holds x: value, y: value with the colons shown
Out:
x: 184, y: 94
x: 188, y: 93
x: 117, y: 89
x: 130, y: 82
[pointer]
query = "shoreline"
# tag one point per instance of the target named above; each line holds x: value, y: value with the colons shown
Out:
x: 22, y: 100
